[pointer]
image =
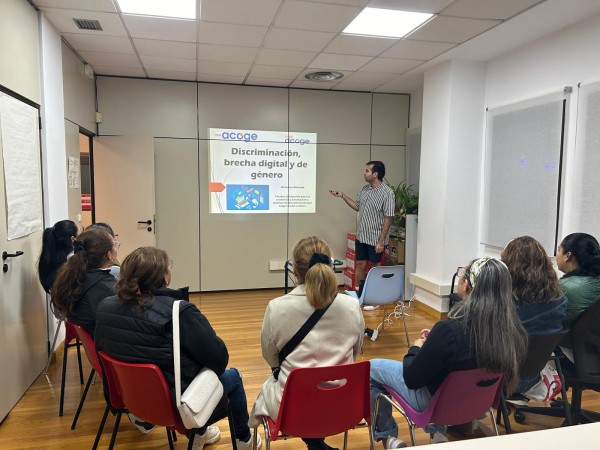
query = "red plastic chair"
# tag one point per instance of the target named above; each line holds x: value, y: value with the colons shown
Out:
x: 90, y: 352
x: 463, y: 396
x: 143, y: 391
x: 311, y: 408
x: 70, y: 335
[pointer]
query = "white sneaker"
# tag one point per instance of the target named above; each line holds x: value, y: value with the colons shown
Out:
x: 242, y: 445
x: 143, y: 426
x: 370, y: 307
x: 438, y: 437
x: 210, y: 436
x: 393, y: 442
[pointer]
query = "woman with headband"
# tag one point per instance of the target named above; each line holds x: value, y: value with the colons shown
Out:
x: 483, y: 331
x: 335, y: 339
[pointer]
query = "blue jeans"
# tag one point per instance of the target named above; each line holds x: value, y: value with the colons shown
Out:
x: 391, y: 373
x: 234, y: 389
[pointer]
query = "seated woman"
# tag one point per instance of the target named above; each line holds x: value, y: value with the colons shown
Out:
x: 540, y: 302
x: 115, y: 268
x: 335, y: 339
x: 84, y: 279
x: 136, y: 326
x: 57, y: 246
x: 578, y: 257
x: 483, y: 331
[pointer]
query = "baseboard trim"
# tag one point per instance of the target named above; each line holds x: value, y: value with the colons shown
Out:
x: 431, y: 311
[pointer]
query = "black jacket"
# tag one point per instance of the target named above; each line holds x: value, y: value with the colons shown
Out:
x: 145, y: 335
x: 98, y: 285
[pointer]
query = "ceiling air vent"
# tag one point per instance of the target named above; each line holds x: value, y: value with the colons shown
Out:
x: 324, y: 76
x: 85, y: 24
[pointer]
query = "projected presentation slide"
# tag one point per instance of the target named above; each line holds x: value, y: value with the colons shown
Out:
x: 258, y: 172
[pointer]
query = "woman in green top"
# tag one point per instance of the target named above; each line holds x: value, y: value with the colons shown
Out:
x: 578, y: 256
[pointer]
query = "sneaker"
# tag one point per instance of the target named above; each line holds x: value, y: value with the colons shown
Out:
x: 393, y: 442
x: 140, y: 424
x: 242, y: 445
x: 370, y: 307
x: 210, y: 436
x: 438, y: 437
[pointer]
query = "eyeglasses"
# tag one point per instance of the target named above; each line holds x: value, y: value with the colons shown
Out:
x: 116, y: 245
x: 170, y: 266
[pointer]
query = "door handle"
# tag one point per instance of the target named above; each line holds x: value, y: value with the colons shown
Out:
x: 146, y: 222
x: 6, y: 255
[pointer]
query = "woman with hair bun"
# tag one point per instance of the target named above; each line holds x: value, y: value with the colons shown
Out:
x: 335, y: 339
x: 84, y: 279
x: 57, y: 245
x: 578, y: 257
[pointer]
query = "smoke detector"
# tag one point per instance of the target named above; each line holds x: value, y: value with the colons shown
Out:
x: 324, y: 76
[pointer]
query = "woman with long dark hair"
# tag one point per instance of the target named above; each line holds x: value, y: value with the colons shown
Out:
x: 540, y: 302
x: 85, y: 279
x: 57, y: 245
x: 335, y: 339
x: 136, y: 326
x: 483, y: 331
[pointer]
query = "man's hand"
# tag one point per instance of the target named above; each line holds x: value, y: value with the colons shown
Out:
x: 379, y: 247
x: 336, y: 193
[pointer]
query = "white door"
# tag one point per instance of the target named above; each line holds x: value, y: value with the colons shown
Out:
x: 124, y: 189
x: 23, y: 327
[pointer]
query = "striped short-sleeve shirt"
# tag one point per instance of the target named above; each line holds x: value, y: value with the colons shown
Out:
x: 374, y: 205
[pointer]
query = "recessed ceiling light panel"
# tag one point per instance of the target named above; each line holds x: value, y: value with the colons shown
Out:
x: 324, y: 76
x: 176, y: 9
x: 386, y: 22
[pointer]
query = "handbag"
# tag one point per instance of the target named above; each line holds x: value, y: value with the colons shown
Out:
x: 297, y: 338
x: 204, y: 393
x: 549, y: 385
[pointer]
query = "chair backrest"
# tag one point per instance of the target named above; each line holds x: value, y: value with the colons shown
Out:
x: 585, y: 335
x: 315, y: 405
x: 539, y: 350
x: 384, y: 284
x: 143, y: 390
x: 463, y: 396
x: 88, y: 345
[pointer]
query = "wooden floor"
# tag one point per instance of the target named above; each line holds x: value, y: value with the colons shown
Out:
x: 237, y: 318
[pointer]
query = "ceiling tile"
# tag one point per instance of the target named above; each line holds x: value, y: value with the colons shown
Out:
x: 428, y: 6
x: 110, y: 59
x: 81, y: 5
x: 120, y: 71
x: 226, y: 53
x: 259, y: 71
x: 160, y: 28
x: 341, y: 62
x: 487, y: 9
x: 307, y: 84
x: 403, y: 84
x: 452, y: 29
x: 359, y: 45
x: 342, y: 2
x: 62, y: 19
x: 268, y: 81
x: 172, y: 75
x: 315, y: 16
x: 285, y: 39
x: 410, y: 49
x: 364, y: 87
x: 220, y: 78
x: 223, y: 68
x: 167, y: 49
x: 90, y: 43
x: 173, y: 64
x: 272, y: 57
x: 389, y: 65
x: 227, y: 34
x: 369, y: 77
x: 255, y: 12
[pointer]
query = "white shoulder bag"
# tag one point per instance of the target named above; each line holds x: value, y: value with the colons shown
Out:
x: 204, y: 392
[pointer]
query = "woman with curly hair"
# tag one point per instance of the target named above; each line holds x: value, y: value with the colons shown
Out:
x: 540, y: 302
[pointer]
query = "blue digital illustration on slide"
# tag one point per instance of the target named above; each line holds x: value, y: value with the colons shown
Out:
x: 246, y: 197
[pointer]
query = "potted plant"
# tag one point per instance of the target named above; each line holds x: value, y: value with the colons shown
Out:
x: 407, y: 202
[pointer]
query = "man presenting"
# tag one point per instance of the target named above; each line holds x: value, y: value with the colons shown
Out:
x: 375, y: 205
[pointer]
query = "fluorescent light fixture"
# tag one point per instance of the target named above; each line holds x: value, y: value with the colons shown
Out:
x: 386, y: 22
x: 176, y: 9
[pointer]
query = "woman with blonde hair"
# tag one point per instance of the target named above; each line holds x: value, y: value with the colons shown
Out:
x: 335, y: 339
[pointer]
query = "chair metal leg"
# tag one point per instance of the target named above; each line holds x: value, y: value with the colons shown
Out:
x: 404, y: 320
x: 231, y: 427
x: 503, y: 412
x: 174, y: 434
x: 113, y: 438
x: 191, y: 438
x: 62, y: 382
x: 346, y: 440
x: 85, y: 391
x: 78, y: 345
x: 494, y: 421
x: 51, y: 349
x: 101, y: 427
x: 394, y: 405
x: 170, y: 438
